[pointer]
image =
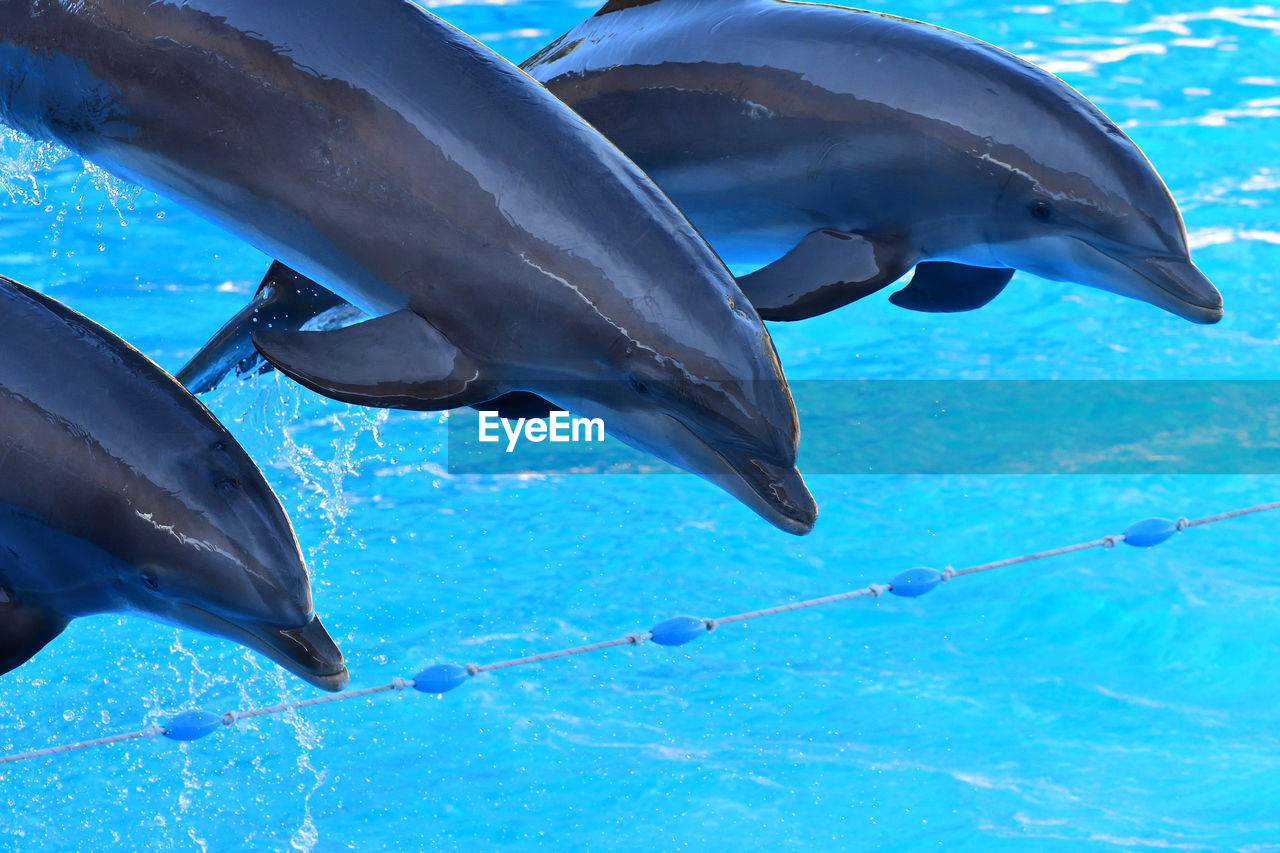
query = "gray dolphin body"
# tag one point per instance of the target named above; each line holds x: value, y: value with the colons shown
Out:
x: 501, y: 243
x: 866, y: 142
x: 119, y: 492
x: 871, y: 143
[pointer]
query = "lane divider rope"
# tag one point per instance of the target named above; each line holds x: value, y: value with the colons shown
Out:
x: 676, y: 631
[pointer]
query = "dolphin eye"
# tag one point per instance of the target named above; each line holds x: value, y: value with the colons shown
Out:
x: 149, y: 581
x: 1041, y: 210
x: 640, y: 387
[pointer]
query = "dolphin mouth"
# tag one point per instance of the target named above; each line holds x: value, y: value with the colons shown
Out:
x: 1189, y: 293
x: 776, y: 493
x: 306, y: 650
x: 1175, y: 284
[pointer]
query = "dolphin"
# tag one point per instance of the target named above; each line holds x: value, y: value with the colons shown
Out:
x: 870, y: 144
x: 864, y: 144
x: 499, y: 243
x: 121, y: 493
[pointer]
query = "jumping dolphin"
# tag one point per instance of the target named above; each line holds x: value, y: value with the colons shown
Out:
x: 870, y: 144
x: 864, y: 142
x: 500, y: 243
x: 119, y: 492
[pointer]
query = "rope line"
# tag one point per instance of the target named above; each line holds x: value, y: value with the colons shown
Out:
x: 149, y: 731
x: 630, y: 639
x: 795, y: 605
x: 1235, y: 513
x: 231, y: 716
x: 677, y: 631
x: 1104, y: 542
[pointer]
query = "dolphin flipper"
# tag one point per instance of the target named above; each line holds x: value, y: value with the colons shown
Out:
x: 519, y: 404
x: 288, y: 300
x: 397, y: 361
x: 285, y: 300
x: 942, y: 287
x: 825, y: 270
x: 24, y: 630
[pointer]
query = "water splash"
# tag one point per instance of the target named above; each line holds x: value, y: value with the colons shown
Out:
x: 35, y: 172
x: 316, y: 443
x: 22, y: 159
x: 308, y: 835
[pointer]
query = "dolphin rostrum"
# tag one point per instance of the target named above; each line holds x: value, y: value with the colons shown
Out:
x: 866, y: 143
x: 500, y: 242
x: 119, y: 492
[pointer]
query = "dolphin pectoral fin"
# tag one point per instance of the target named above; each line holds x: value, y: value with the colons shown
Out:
x: 285, y: 300
x: 24, y: 630
x: 825, y: 270
x: 942, y: 287
x: 518, y: 404
x: 397, y: 361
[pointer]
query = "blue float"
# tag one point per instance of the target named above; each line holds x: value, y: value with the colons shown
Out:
x: 440, y: 678
x: 1149, y: 532
x: 913, y: 583
x: 191, y: 725
x: 678, y: 630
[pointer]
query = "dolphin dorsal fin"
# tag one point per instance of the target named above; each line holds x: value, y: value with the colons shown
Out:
x: 24, y: 630
x: 283, y: 285
x: 620, y: 5
x: 286, y: 299
x: 397, y: 361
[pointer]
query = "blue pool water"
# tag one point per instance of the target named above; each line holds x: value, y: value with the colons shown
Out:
x: 1116, y: 700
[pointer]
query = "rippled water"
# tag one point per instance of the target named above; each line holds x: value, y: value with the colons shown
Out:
x: 1116, y: 700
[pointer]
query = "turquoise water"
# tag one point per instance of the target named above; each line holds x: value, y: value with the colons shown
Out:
x: 1105, y: 701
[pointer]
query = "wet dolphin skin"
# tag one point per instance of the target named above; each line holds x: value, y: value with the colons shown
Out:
x: 120, y: 493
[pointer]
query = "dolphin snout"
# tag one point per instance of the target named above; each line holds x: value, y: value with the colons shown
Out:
x: 308, y: 652
x: 776, y: 492
x: 1194, y: 296
x: 1178, y: 286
